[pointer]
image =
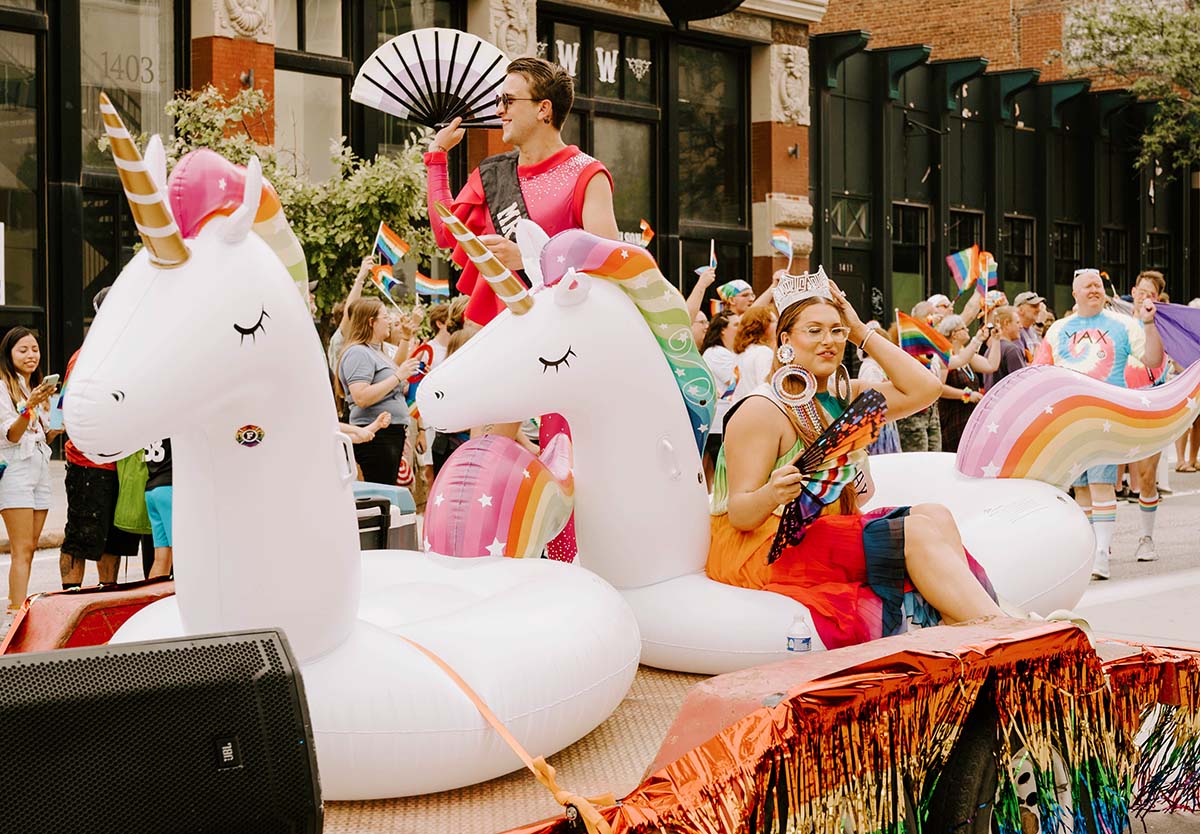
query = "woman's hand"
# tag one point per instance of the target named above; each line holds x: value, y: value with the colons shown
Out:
x: 40, y: 394
x: 408, y: 367
x: 784, y: 485
x: 448, y: 137
x: 364, y: 269
x: 858, y: 330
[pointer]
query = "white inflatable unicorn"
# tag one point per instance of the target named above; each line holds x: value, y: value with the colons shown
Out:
x: 605, y: 343
x: 204, y: 339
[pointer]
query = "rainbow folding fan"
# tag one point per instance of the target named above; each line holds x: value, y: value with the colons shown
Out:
x: 432, y: 76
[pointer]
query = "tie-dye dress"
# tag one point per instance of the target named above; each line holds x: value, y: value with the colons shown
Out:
x: 848, y: 570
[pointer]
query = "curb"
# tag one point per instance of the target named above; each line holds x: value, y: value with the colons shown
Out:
x: 48, y: 541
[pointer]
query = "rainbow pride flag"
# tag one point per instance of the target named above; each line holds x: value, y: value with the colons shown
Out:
x: 381, y: 277
x: 431, y: 286
x: 988, y: 275
x: 781, y: 242
x: 920, y: 340
x: 389, y: 245
x: 964, y: 266
x: 647, y: 232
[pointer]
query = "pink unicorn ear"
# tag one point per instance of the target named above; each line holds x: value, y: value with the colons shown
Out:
x: 572, y: 288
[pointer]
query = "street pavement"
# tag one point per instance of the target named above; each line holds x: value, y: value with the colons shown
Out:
x: 1149, y: 602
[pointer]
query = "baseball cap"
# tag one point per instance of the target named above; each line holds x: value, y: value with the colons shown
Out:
x: 939, y: 299
x: 732, y: 289
x: 1027, y: 298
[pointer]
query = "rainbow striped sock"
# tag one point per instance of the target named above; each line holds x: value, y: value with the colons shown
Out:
x: 1087, y: 511
x: 1149, y: 513
x: 1104, y: 523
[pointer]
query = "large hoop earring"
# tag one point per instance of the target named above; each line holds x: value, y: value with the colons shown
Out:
x: 788, y: 398
x: 841, y: 386
x: 785, y: 354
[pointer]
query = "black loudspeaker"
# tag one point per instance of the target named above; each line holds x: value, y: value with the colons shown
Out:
x: 205, y: 734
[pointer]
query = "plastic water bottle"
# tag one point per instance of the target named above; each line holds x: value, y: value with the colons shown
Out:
x: 799, y: 638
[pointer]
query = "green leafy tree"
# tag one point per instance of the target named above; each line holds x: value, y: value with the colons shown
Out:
x: 1151, y: 48
x: 335, y: 220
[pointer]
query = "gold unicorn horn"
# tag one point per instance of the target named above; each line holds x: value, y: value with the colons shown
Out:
x: 506, y: 285
x: 154, y: 223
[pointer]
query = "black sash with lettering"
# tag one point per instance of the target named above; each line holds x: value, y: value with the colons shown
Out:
x: 502, y: 190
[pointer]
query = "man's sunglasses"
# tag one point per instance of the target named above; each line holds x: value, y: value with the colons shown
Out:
x: 505, y: 100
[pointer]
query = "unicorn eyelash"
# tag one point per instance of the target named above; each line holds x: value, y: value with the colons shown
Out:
x: 252, y: 332
x: 547, y: 364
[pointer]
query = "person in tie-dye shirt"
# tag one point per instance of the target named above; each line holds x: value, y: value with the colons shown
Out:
x: 1115, y: 348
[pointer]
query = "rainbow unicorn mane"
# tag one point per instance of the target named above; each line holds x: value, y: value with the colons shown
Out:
x: 204, y: 185
x: 662, y: 307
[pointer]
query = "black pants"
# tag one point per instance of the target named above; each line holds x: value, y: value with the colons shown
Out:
x: 380, y: 459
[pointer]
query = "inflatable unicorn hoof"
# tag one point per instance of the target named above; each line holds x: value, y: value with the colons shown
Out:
x: 205, y: 335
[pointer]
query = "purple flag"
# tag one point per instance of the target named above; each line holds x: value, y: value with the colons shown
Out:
x: 1179, y: 327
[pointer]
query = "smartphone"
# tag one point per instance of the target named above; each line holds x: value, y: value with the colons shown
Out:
x: 51, y: 380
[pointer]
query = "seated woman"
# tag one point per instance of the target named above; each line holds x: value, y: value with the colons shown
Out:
x: 853, y: 572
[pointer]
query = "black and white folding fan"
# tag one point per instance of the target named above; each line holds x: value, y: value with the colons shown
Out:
x: 431, y: 76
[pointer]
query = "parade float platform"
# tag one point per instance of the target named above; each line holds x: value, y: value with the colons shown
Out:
x: 673, y: 726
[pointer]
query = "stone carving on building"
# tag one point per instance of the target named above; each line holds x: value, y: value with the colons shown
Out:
x: 789, y: 81
x: 793, y: 214
x: 512, y: 27
x: 243, y: 18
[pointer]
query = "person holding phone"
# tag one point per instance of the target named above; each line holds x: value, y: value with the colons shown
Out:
x: 25, y: 484
x: 854, y: 572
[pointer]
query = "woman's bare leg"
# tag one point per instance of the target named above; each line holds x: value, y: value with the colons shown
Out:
x: 24, y: 525
x: 937, y: 565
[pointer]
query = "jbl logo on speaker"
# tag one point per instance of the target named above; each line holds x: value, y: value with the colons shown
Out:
x: 229, y: 756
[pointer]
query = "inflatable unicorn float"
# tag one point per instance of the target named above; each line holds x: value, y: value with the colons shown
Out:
x: 204, y: 339
x: 602, y: 339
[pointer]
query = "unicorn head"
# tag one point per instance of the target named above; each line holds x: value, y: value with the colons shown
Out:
x: 193, y: 313
x: 204, y: 339
x: 606, y: 342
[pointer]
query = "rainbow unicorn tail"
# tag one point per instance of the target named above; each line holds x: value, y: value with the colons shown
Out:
x: 1050, y: 424
x: 205, y: 184
x: 494, y: 498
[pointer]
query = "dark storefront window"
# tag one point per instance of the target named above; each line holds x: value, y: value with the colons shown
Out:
x: 310, y: 25
x: 1114, y: 255
x: 628, y: 150
x: 19, y: 171
x: 312, y: 84
x: 1017, y: 266
x: 396, y: 18
x: 127, y: 51
x: 1068, y: 257
x: 850, y: 218
x: 109, y: 237
x: 965, y: 231
x: 910, y: 255
x: 1158, y: 255
x: 711, y: 137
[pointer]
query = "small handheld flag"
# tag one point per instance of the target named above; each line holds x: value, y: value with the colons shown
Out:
x: 920, y: 340
x: 385, y: 282
x: 712, y: 254
x: 988, y: 276
x: 647, y: 232
x: 781, y: 242
x: 389, y: 245
x: 964, y: 267
x: 56, y: 410
x: 431, y: 286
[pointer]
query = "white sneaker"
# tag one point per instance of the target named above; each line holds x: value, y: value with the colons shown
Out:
x: 1100, y: 565
x: 1145, y: 550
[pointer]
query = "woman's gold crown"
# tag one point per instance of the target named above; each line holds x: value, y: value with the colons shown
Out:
x: 793, y: 288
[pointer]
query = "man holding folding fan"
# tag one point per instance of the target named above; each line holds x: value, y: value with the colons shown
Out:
x: 545, y: 180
